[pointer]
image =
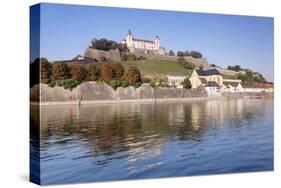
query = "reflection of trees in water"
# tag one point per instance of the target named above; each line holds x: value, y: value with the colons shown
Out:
x: 184, y: 121
x: 139, y: 129
x: 115, y: 128
x: 104, y: 129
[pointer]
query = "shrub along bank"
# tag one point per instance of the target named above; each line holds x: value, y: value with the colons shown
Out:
x: 71, y: 75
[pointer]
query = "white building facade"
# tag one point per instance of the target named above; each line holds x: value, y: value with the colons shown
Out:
x: 207, y: 75
x: 143, y: 46
x: 232, y: 87
x: 252, y: 88
x: 213, y: 89
x: 176, y: 80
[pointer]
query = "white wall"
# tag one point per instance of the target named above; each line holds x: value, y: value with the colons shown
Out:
x: 213, y: 91
x: 176, y: 80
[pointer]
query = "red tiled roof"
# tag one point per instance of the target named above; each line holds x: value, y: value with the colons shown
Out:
x: 142, y: 40
x: 176, y: 74
x: 246, y: 85
x: 267, y: 85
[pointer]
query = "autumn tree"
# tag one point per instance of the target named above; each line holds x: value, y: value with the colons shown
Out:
x: 132, y: 75
x: 118, y: 70
x: 60, y: 71
x: 107, y: 71
x: 77, y: 72
x: 93, y: 72
x: 45, y: 68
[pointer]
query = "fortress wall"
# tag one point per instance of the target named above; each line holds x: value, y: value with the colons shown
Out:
x: 196, y: 62
x: 91, y: 91
x: 138, y: 51
x: 113, y: 55
x: 230, y: 72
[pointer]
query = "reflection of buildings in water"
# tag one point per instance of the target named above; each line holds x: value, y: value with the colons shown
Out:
x: 185, y: 119
x: 186, y: 114
x: 220, y: 110
x: 240, y: 103
x: 176, y: 114
x: 215, y: 111
x: 197, y: 115
x: 234, y: 107
x: 234, y: 111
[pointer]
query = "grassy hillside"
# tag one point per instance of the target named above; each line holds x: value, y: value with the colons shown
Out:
x: 157, y: 67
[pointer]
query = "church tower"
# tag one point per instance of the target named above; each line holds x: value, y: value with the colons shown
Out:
x: 129, y: 39
x: 157, y: 42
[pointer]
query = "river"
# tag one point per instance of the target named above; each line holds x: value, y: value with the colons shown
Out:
x: 107, y: 142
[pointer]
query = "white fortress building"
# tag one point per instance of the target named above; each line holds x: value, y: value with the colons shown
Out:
x: 143, y: 46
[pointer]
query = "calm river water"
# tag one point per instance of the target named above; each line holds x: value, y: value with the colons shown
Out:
x: 134, y: 141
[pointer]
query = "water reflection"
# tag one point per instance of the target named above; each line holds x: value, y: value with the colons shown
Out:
x: 134, y: 138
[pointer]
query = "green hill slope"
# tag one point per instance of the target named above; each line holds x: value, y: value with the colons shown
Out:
x: 157, y: 67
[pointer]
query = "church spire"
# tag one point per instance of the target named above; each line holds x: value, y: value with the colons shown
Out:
x: 129, y: 32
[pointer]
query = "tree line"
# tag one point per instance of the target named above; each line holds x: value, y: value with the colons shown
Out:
x: 193, y: 53
x: 252, y: 77
x: 71, y: 75
x: 106, y: 45
x: 249, y: 76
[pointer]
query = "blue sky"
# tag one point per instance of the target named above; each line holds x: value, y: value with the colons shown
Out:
x: 67, y: 30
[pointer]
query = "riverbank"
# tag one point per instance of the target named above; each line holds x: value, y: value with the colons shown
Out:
x: 126, y: 101
x: 94, y: 93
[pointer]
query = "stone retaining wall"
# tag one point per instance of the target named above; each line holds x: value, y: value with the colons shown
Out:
x: 248, y: 95
x: 113, y: 55
x: 91, y: 91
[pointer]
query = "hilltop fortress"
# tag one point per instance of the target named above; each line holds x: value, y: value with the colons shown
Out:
x: 143, y: 46
x: 150, y: 49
